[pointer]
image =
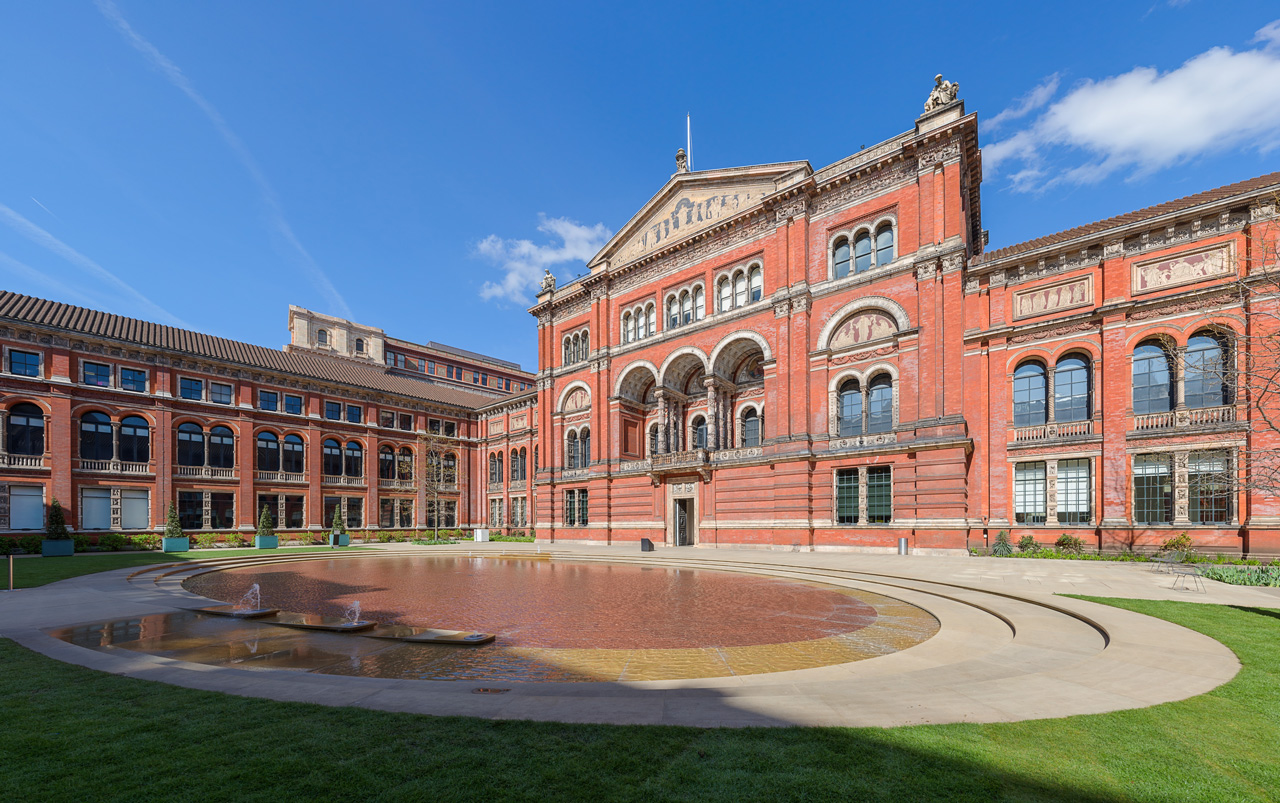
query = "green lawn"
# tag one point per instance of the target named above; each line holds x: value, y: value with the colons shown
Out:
x: 68, y: 733
x: 31, y: 572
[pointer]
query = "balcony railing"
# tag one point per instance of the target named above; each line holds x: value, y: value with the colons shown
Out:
x: 22, y: 460
x: 114, y: 467
x: 349, y: 481
x: 395, y: 485
x: 1207, y: 416
x: 693, y: 458
x: 207, y: 472
x: 1148, y: 421
x: 1198, y: 417
x: 1055, y: 431
x: 279, y: 476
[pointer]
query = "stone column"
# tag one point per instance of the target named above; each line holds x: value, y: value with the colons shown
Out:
x: 1181, y: 484
x: 281, y: 522
x: 862, y: 495
x: 663, y: 422
x: 1051, y: 493
x: 206, y: 505
x: 115, y: 440
x: 206, y: 453
x: 713, y: 409
x: 4, y: 432
x: 1049, y: 411
x: 1180, y: 382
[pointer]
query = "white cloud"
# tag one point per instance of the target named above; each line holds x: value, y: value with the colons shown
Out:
x: 1028, y: 103
x: 275, y: 212
x: 1269, y: 34
x: 46, y: 240
x: 523, y: 262
x: 1144, y: 120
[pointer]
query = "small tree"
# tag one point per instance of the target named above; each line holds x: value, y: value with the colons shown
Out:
x: 441, y: 476
x: 265, y: 530
x: 338, y: 526
x: 56, y: 528
x: 172, y: 526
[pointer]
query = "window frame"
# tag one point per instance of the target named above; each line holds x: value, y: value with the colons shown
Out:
x: 10, y: 353
x: 184, y: 382
x: 84, y: 374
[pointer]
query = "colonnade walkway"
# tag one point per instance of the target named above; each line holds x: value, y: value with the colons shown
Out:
x: 1009, y: 646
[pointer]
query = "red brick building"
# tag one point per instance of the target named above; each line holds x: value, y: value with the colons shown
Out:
x: 771, y: 356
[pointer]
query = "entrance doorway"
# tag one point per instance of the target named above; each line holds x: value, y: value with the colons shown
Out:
x: 685, y: 526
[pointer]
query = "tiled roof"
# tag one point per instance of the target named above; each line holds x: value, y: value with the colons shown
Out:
x: 38, y: 311
x: 1178, y: 205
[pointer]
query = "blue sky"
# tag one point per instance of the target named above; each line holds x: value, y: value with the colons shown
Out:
x: 414, y: 166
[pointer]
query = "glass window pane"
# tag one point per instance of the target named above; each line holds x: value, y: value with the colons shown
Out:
x: 1029, y: 493
x: 1152, y: 489
x: 24, y: 363
x: 133, y: 379
x: 880, y: 405
x: 841, y: 258
x: 95, y: 508
x: 879, y: 495
x: 1029, y: 386
x: 191, y: 389
x: 220, y: 393
x: 191, y: 510
x: 1152, y: 380
x: 293, y: 405
x: 135, y: 508
x: 756, y: 282
x: 1210, y: 487
x: 847, y: 496
x: 1206, y: 373
x: 884, y: 246
x: 1075, y: 492
x: 849, y: 409
x: 862, y: 253
x: 97, y: 374
x: 1071, y: 390
x: 222, y: 509
x: 739, y: 289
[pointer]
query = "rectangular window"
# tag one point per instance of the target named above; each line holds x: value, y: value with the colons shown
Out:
x: 331, y: 504
x: 431, y: 367
x: 333, y: 410
x: 95, y: 508
x: 353, y: 413
x: 846, y: 496
x: 293, y: 404
x: 386, y: 512
x: 95, y: 373
x: 1075, y: 492
x: 406, y: 422
x: 219, y: 393
x: 222, y: 511
x: 355, y: 512
x: 448, y: 371
x: 448, y: 514
x: 133, y: 379
x: 475, y: 378
x: 507, y: 385
x: 135, y: 509
x: 1210, y: 487
x: 191, y: 510
x: 26, y: 507
x: 294, y: 512
x: 406, y: 513
x: 1152, y: 489
x: 268, y: 400
x: 386, y: 418
x: 24, y: 363
x: 879, y: 495
x: 450, y: 429
x: 268, y: 501
x: 495, y: 512
x: 192, y: 389
x: 1029, y: 493
x: 570, y: 508
x: 433, y: 426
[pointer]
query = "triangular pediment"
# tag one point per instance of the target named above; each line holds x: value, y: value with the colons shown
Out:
x: 693, y: 202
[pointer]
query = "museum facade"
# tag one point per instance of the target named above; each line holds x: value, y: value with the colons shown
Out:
x: 769, y: 356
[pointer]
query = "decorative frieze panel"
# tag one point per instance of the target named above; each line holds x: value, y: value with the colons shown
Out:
x: 495, y: 427
x: 936, y: 156
x: 1053, y: 298
x: 633, y: 465
x: 1057, y: 331
x: 727, y: 455
x: 858, y: 188
x: 862, y: 441
x: 863, y: 327
x: 1163, y: 310
x: 1186, y: 268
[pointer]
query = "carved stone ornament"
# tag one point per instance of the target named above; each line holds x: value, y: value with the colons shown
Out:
x: 548, y: 282
x: 1186, y: 306
x: 682, y: 161
x: 971, y: 284
x: 1045, y: 334
x: 938, y: 155
x: 926, y: 270
x: 943, y: 93
x: 997, y: 278
x: 794, y: 209
x: 781, y: 309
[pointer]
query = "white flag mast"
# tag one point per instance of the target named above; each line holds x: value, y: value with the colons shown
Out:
x: 688, y: 139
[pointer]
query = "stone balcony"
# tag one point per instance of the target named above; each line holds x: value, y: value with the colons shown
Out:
x: 1175, y: 420
x: 278, y: 476
x: 1057, y: 431
x: 206, y: 472
x: 23, y: 460
x: 350, y: 482
x: 115, y: 467
x: 396, y: 485
x: 693, y: 458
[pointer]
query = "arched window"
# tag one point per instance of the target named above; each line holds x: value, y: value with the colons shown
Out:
x: 524, y: 464
x: 884, y: 245
x: 686, y: 307
x: 359, y: 345
x: 849, y: 409
x: 673, y: 312
x: 653, y: 439
x: 840, y: 258
x: 571, y: 451
x: 497, y: 474
x: 1029, y: 387
x: 386, y: 463
x: 586, y: 345
x: 513, y: 467
x: 750, y: 428
x: 95, y: 437
x: 1071, y: 390
x: 190, y: 445
x: 1206, y: 384
x: 577, y: 348
x: 861, y: 252
x: 628, y: 327
x: 755, y: 284
x: 353, y: 459
x: 653, y: 319
x: 880, y: 405
x: 1152, y: 380
x: 268, y: 452
x: 135, y: 440
x: 322, y: 337
x: 699, y: 429
x: 568, y: 351
x: 222, y: 448
x: 292, y: 461
x: 332, y: 458
x: 725, y: 291
x: 699, y: 304
x: 404, y: 464
x: 739, y: 289
x: 584, y: 441
x: 25, y: 430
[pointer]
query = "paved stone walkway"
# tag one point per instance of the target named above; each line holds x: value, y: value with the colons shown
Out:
x: 1008, y: 648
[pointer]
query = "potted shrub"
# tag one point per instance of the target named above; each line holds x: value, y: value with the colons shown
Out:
x: 175, y: 540
x: 266, y: 537
x: 57, y: 541
x: 338, y: 533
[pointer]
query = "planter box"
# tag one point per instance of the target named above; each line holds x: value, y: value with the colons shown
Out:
x: 266, y: 541
x: 57, y: 547
x: 339, y: 540
x: 176, y: 544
